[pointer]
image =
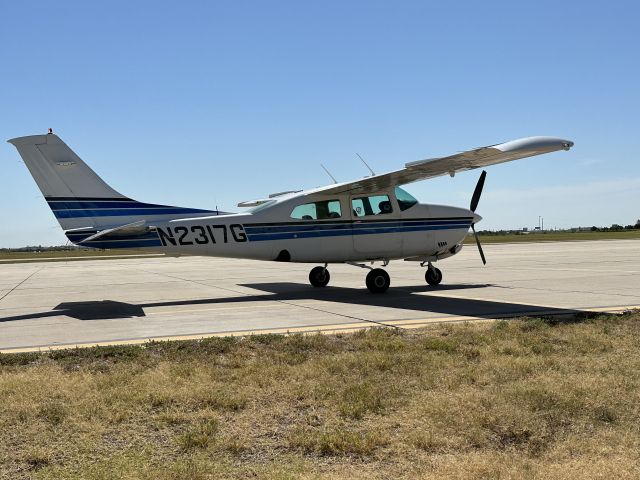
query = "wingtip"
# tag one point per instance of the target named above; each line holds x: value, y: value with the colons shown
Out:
x: 541, y: 144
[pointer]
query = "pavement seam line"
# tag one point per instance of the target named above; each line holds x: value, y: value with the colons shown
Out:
x: 278, y: 301
x: 324, y: 329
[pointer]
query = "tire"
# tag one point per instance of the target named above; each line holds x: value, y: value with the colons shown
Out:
x: 378, y: 281
x: 433, y: 276
x: 319, y: 277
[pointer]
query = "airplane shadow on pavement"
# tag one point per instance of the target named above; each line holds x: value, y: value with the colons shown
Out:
x: 404, y: 298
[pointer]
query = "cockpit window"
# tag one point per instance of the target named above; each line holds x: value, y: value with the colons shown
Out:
x: 372, y: 205
x: 322, y: 210
x: 405, y: 199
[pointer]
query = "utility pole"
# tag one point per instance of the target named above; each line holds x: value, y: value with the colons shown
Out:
x: 542, y: 224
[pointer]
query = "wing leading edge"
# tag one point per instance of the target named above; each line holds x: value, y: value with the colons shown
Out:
x: 435, y: 167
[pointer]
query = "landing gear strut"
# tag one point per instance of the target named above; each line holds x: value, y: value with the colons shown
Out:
x: 433, y: 275
x: 378, y: 281
x: 319, y: 276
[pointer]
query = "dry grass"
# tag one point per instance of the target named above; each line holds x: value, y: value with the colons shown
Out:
x: 520, y: 399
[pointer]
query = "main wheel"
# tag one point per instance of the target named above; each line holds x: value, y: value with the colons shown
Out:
x: 433, y: 276
x: 319, y: 277
x: 378, y: 281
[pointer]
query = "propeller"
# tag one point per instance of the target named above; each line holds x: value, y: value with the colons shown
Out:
x: 474, y: 204
x: 478, y: 191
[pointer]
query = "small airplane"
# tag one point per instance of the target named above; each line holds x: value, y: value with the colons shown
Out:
x: 358, y: 223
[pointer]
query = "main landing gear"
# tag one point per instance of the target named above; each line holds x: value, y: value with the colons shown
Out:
x: 378, y: 280
x: 319, y: 276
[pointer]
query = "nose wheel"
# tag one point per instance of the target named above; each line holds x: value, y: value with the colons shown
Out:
x: 378, y: 281
x: 319, y: 276
x: 433, y: 276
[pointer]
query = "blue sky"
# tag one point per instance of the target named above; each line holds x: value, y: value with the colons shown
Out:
x: 205, y: 103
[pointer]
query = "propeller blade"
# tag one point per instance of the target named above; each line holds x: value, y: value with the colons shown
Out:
x: 475, y: 235
x: 477, y: 192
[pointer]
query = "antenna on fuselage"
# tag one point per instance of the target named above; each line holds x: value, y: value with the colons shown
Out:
x: 329, y: 173
x: 366, y: 165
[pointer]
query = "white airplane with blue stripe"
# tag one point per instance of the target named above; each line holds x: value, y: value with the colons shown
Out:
x: 363, y: 222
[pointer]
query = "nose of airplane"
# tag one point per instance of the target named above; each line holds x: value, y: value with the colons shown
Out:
x: 476, y: 218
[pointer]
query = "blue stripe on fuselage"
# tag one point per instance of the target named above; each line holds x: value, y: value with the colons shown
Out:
x: 347, y: 226
x: 92, y: 207
x: 356, y: 229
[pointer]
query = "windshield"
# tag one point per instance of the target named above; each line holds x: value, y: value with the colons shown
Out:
x: 405, y: 199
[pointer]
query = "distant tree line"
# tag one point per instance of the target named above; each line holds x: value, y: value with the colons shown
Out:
x: 613, y: 228
x: 617, y: 228
x: 40, y: 248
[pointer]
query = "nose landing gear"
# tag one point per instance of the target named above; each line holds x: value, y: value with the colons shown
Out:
x: 433, y: 275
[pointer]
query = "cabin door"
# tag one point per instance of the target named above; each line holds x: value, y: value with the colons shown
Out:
x: 376, y: 226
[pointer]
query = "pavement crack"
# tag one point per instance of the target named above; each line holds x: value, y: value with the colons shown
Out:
x: 16, y: 286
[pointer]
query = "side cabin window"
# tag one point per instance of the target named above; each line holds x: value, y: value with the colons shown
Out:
x: 322, y: 210
x: 371, y: 205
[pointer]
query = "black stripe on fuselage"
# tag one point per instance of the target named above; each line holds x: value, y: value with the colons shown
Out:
x: 87, y: 199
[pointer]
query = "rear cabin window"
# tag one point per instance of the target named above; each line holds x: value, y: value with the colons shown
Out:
x: 322, y: 210
x: 372, y: 205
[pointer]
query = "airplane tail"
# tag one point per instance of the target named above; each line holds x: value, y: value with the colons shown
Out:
x: 85, y: 205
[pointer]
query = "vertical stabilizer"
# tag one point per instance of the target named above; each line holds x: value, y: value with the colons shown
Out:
x: 58, y: 171
x: 79, y: 198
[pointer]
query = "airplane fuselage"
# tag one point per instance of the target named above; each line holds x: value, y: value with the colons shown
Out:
x: 325, y: 241
x: 422, y: 231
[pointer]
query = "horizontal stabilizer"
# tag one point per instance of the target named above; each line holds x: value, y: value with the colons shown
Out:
x: 128, y: 229
x: 253, y: 203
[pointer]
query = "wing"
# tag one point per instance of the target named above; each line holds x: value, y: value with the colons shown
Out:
x: 435, y: 167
